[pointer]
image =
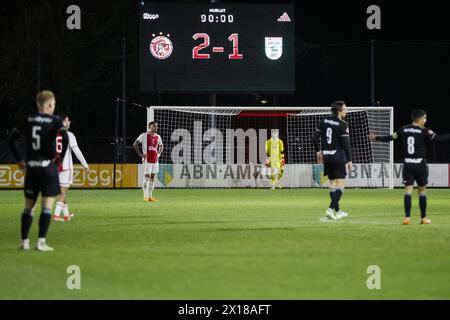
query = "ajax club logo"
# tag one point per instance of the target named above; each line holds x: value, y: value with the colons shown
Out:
x: 161, y: 47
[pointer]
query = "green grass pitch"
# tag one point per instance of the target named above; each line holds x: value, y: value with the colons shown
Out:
x: 230, y: 244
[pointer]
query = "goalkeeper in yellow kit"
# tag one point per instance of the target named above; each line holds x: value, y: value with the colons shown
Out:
x: 275, y: 160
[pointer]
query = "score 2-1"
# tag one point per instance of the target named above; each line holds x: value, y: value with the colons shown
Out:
x: 234, y: 38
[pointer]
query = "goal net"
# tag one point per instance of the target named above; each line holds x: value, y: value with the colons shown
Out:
x: 224, y: 147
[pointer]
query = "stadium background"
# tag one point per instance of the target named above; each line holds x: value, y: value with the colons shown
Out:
x: 90, y: 68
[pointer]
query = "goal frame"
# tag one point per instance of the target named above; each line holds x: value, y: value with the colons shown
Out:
x: 151, y: 112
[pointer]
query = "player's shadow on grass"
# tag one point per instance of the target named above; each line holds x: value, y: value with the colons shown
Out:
x: 221, y: 254
x: 203, y: 222
x: 185, y: 222
x: 145, y: 216
x: 256, y: 229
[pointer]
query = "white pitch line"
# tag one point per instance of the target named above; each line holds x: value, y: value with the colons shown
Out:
x: 358, y: 222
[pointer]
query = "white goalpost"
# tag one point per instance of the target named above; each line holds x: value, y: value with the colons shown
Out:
x: 224, y: 147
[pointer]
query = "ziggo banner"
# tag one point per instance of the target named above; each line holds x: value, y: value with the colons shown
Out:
x: 99, y: 176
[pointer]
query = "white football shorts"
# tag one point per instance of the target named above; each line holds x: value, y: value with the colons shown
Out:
x: 150, y: 168
x: 66, y: 178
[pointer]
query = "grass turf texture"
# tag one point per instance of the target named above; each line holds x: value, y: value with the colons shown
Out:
x: 230, y: 244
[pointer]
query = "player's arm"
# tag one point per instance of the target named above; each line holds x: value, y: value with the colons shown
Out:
x: 136, y: 146
x: 315, y: 139
x: 433, y: 136
x: 345, y: 140
x: 387, y: 138
x: 267, y: 148
x: 160, y: 147
x: 12, y: 138
x: 442, y: 137
x: 282, y: 153
x: 74, y: 146
x: 346, y: 146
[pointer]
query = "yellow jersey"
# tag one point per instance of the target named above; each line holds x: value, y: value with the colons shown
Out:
x: 275, y: 152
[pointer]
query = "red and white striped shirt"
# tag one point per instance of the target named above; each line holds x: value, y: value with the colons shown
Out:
x: 150, y: 143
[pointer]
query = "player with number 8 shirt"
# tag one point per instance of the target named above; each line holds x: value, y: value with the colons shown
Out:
x: 415, y: 138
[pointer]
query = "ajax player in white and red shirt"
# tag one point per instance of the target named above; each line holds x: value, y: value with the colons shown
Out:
x: 66, y: 172
x: 152, y: 148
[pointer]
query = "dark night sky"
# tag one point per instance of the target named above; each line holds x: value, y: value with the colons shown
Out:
x: 84, y: 67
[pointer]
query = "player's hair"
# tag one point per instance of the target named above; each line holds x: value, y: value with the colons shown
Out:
x: 336, y: 106
x: 43, y: 97
x: 151, y: 123
x: 418, y: 113
x: 63, y: 116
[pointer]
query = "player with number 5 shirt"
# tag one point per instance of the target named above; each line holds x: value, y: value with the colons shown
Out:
x: 40, y: 164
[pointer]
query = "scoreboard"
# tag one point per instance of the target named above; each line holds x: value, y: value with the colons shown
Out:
x: 223, y: 47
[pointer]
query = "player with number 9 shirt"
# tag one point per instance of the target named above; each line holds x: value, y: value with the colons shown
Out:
x: 335, y: 154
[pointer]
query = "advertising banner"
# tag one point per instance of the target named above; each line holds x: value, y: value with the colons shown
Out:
x: 228, y: 176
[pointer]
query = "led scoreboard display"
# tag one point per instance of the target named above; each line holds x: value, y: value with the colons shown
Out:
x: 195, y: 47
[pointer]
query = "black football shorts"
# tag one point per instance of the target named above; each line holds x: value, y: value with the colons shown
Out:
x: 415, y: 172
x: 334, y: 168
x: 42, y: 180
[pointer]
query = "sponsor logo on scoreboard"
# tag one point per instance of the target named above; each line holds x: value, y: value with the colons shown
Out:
x: 284, y: 18
x: 161, y: 47
x: 274, y: 47
x: 150, y: 16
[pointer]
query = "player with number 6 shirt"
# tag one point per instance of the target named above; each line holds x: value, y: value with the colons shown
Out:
x: 66, y: 172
